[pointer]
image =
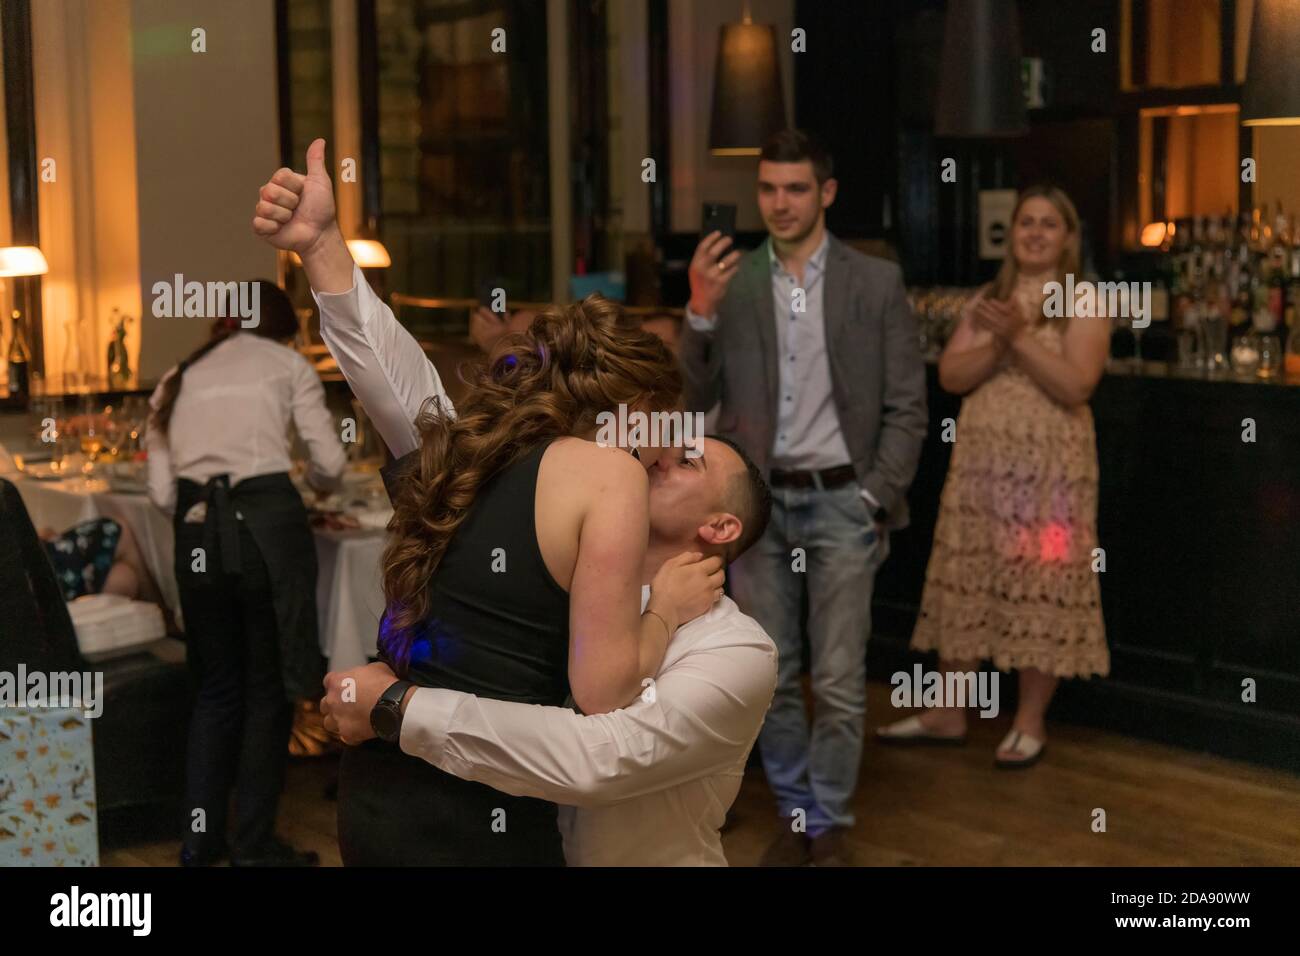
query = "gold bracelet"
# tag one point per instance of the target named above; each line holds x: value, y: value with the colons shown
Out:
x: 667, y: 629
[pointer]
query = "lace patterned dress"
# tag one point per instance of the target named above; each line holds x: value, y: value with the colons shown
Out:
x: 1010, y: 575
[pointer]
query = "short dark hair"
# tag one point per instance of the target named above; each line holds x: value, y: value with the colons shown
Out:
x: 749, y: 499
x: 794, y: 146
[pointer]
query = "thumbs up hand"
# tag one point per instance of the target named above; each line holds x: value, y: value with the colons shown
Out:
x: 294, y: 210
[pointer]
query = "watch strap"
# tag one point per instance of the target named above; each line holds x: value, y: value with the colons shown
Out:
x: 389, y: 705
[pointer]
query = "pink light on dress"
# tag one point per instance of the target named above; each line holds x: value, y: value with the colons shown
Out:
x: 1054, y: 542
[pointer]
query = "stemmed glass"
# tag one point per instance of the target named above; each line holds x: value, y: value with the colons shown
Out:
x: 135, y: 412
x: 91, y: 433
x: 114, y: 433
x: 65, y: 435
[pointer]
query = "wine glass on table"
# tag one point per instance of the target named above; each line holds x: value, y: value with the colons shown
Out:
x: 91, y: 434
x: 65, y: 443
x: 135, y: 417
x: 113, y: 434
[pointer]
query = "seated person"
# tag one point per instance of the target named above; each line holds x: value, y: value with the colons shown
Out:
x: 99, y: 556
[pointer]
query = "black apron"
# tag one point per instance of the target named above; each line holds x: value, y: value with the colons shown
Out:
x: 271, y: 509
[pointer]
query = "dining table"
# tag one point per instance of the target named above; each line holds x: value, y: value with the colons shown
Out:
x: 349, y: 594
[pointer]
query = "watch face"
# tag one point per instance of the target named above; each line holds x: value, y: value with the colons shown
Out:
x: 385, y: 720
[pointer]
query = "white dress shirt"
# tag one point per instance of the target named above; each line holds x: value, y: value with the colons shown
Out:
x: 382, y: 362
x: 646, y: 785
x: 232, y: 417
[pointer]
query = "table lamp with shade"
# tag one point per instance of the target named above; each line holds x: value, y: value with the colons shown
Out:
x: 20, y: 262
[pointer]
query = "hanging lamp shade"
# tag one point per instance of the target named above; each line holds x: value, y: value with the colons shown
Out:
x: 748, y: 106
x: 980, y: 89
x: 1271, y: 96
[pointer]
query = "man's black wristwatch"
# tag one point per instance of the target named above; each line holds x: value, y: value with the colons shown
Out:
x: 386, y: 715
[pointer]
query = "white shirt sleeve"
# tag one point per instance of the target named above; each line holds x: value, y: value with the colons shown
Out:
x: 161, y: 477
x: 315, y: 425
x: 382, y: 362
x: 699, y: 323
x: 704, y: 714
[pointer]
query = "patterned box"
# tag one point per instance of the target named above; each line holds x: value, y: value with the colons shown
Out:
x: 47, y: 788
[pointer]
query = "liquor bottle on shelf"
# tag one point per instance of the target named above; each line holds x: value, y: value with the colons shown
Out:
x: 1279, y: 239
x: 1291, y: 361
x: 1240, y: 315
x: 19, y: 358
x: 1258, y: 284
x: 1198, y: 253
x: 1179, y: 286
x: 1276, y: 297
x: 1214, y: 328
x: 1293, y: 288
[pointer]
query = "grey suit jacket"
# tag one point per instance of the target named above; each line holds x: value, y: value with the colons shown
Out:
x: 877, y: 376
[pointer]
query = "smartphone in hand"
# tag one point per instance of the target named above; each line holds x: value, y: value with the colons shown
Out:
x: 719, y: 217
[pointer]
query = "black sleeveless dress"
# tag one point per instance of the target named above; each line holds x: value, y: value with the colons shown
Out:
x: 499, y: 628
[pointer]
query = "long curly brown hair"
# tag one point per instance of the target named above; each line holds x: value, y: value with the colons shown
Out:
x: 574, y: 362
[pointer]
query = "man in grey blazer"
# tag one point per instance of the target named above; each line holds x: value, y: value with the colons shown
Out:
x: 811, y: 349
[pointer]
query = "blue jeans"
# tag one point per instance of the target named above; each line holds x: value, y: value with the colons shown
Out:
x: 841, y: 551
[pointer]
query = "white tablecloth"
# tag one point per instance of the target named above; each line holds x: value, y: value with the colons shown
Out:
x: 349, y: 596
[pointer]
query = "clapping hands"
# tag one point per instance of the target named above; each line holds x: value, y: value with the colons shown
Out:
x: 1004, y: 320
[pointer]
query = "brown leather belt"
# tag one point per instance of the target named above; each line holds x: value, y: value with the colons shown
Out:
x: 830, y: 477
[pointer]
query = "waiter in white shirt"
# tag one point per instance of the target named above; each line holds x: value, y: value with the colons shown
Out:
x: 646, y: 785
x: 219, y: 459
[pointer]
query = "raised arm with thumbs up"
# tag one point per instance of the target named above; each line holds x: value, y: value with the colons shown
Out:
x: 383, y: 363
x: 296, y: 212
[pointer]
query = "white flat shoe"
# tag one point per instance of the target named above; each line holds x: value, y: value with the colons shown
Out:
x: 910, y: 732
x: 1028, y: 751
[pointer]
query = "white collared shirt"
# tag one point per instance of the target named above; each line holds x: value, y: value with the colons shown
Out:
x: 232, y: 417
x: 383, y: 363
x: 648, y: 785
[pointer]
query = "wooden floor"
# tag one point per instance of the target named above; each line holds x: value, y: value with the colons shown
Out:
x: 950, y: 807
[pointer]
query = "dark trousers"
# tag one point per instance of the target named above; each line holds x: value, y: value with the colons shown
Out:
x: 397, y: 810
x: 239, y: 735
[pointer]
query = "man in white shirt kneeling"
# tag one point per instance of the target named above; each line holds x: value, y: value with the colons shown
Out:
x: 650, y: 784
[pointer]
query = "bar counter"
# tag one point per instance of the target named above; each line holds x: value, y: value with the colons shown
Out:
x: 1201, y: 534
